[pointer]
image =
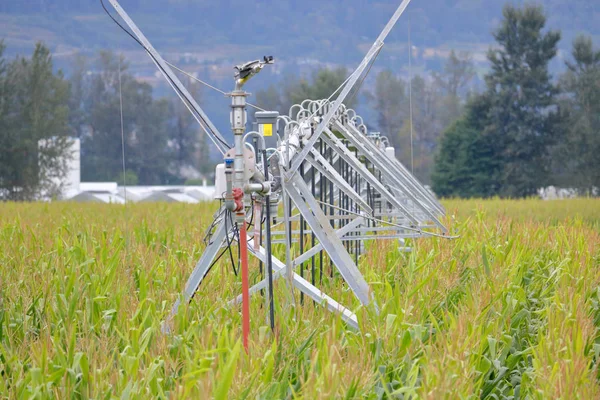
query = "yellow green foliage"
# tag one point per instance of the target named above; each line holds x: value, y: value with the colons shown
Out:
x: 511, y: 309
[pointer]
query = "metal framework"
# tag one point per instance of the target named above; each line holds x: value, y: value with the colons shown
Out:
x: 339, y: 184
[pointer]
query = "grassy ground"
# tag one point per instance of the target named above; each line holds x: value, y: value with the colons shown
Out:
x: 511, y: 308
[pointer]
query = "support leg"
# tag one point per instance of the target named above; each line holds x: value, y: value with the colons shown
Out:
x: 200, y: 271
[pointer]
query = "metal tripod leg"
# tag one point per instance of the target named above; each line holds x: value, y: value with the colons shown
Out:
x: 355, y: 223
x: 200, y: 271
x: 319, y: 224
x: 303, y: 285
x: 278, y: 272
x: 317, y: 161
x: 404, y: 181
x: 330, y: 139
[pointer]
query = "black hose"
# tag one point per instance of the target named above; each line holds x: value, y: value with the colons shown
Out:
x: 269, y: 262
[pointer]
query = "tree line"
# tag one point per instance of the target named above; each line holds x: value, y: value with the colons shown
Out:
x: 163, y: 144
x: 525, y: 130
x: 33, y: 125
x: 40, y: 109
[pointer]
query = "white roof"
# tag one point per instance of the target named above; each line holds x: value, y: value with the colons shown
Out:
x: 98, y: 186
x: 110, y: 192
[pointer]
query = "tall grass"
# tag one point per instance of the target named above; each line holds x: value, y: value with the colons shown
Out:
x: 511, y: 309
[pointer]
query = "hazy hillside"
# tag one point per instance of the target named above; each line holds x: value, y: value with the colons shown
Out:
x: 209, y: 37
x: 328, y: 31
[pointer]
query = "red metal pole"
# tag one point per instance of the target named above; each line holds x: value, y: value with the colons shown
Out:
x: 245, y: 286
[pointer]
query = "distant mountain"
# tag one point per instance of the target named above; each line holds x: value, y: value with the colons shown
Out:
x: 307, y: 31
x: 208, y: 37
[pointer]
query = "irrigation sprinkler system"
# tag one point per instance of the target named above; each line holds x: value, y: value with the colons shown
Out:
x: 339, y: 184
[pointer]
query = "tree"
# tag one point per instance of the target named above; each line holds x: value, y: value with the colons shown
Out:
x: 522, y: 115
x: 79, y: 96
x: 6, y: 170
x: 437, y: 102
x: 189, y: 142
x: 517, y: 119
x: 458, y: 73
x: 323, y: 83
x: 578, y: 152
x: 426, y: 128
x: 270, y: 99
x: 34, y: 127
x: 391, y: 102
x: 456, y: 77
x: 145, y: 127
x: 466, y: 165
x: 163, y: 142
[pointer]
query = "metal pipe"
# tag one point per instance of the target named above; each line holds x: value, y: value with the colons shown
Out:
x: 313, y: 178
x: 238, y: 166
x: 321, y: 198
x: 261, y: 188
x: 302, y: 238
x: 245, y: 286
x: 229, y: 202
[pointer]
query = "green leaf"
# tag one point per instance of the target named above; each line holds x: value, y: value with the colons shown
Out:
x: 389, y: 322
x: 492, y: 345
x: 306, y: 343
x: 225, y: 379
x: 486, y: 263
x: 406, y: 340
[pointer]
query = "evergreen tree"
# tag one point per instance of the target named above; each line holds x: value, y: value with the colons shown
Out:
x: 466, y: 165
x: 515, y: 119
x: 324, y: 82
x: 522, y: 117
x: 34, y: 127
x: 578, y: 151
x: 163, y: 142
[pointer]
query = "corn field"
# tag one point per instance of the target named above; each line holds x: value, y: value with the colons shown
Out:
x: 511, y: 309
